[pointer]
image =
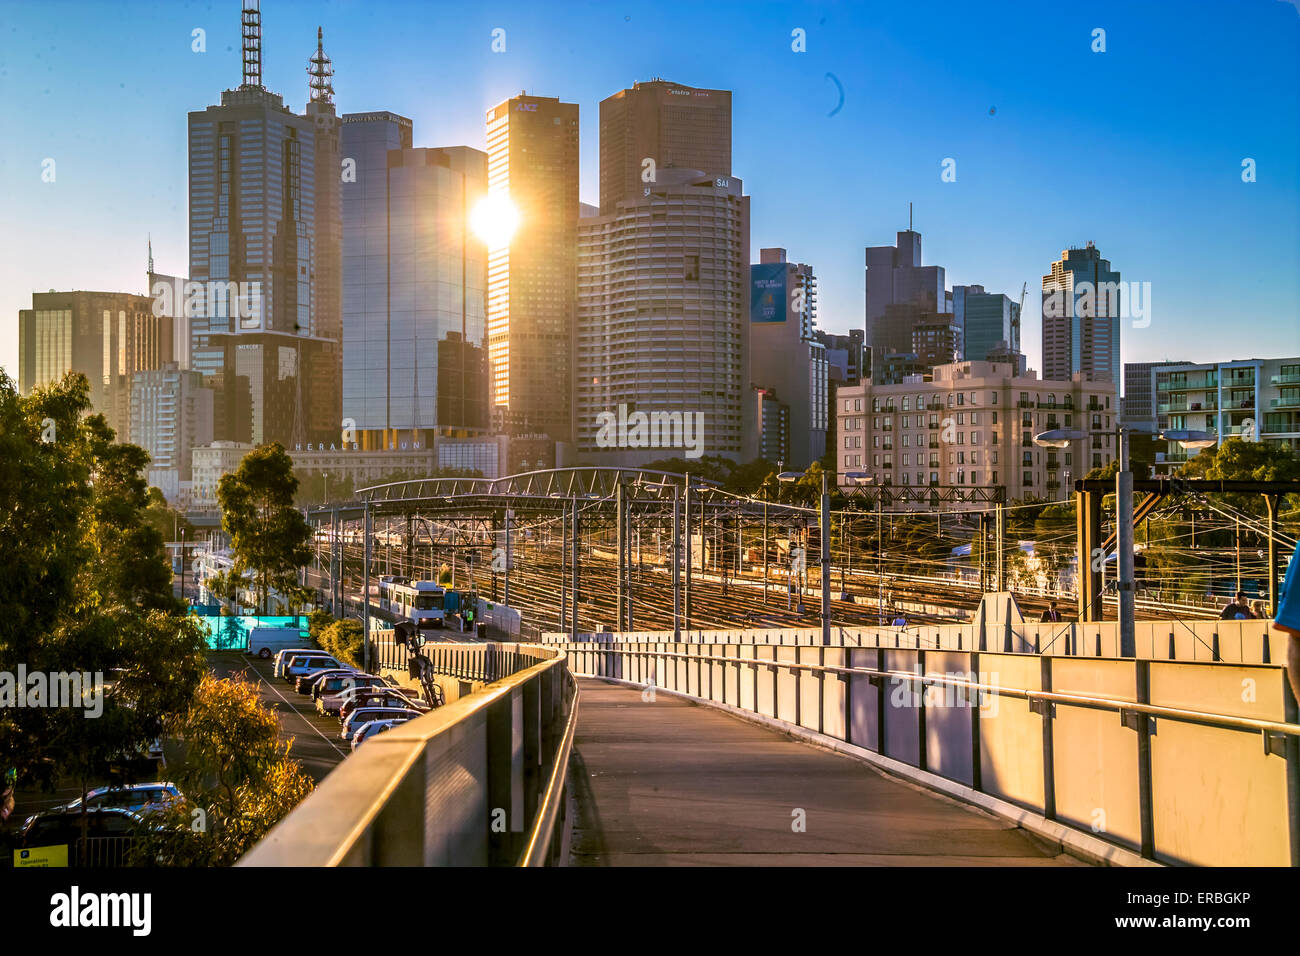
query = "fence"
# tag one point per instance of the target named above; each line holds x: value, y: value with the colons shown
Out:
x: 1180, y: 762
x: 478, y: 782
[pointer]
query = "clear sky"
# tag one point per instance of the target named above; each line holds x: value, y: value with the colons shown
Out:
x: 1138, y: 148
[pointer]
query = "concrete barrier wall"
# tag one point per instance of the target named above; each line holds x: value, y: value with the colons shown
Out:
x: 1177, y: 791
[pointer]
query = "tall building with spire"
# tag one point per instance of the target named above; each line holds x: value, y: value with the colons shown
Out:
x: 256, y: 334
x: 325, y: 389
x: 900, y: 291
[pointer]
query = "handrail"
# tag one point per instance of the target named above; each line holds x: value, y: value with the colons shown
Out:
x: 548, y: 808
x: 327, y: 827
x: 1205, y: 718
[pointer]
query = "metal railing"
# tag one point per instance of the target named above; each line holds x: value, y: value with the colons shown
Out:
x: 481, y: 781
x: 1035, y: 734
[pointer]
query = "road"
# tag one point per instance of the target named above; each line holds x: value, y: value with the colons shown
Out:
x: 672, y: 783
x: 316, y: 742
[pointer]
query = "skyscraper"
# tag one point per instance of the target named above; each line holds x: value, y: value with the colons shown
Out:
x: 324, y: 391
x: 988, y: 321
x: 895, y: 277
x: 532, y: 282
x: 107, y: 336
x: 671, y: 125
x: 785, y: 353
x: 1081, y: 313
x: 365, y: 142
x: 252, y: 205
x: 663, y: 323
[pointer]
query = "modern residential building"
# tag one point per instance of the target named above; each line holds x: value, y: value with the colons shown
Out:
x: 171, y: 413
x: 533, y: 161
x: 664, y: 324
x: 784, y: 353
x: 415, y: 357
x: 253, y: 217
x: 895, y: 277
x: 1252, y: 399
x: 107, y: 336
x: 1138, y: 402
x: 1081, y: 317
x: 670, y: 125
x: 848, y: 360
x: 367, y: 139
x: 207, y: 464
x: 773, y: 427
x: 972, y: 426
x: 937, y: 339
x: 894, y: 367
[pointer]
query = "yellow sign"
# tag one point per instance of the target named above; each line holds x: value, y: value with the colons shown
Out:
x: 43, y: 856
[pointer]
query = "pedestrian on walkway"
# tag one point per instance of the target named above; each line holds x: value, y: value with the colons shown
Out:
x: 1238, y: 610
x: 1051, y: 615
x: 1287, y: 619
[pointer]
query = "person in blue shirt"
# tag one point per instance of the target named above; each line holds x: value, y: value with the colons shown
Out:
x: 1288, y: 619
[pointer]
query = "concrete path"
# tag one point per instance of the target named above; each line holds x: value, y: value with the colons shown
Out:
x: 672, y: 783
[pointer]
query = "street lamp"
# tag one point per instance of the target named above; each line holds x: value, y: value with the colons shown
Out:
x: 825, y: 525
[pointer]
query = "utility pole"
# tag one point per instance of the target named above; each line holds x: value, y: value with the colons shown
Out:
x: 676, y: 552
x: 573, y: 620
x: 564, y: 568
x: 365, y: 586
x: 1124, y: 541
x: 880, y: 558
x: 509, y: 555
x: 686, y: 532
x: 621, y: 547
x: 765, y: 550
x: 826, y: 562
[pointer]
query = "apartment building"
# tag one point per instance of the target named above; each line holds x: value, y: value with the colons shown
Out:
x: 972, y: 425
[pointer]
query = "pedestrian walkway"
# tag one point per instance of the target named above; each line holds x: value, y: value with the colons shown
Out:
x: 672, y: 783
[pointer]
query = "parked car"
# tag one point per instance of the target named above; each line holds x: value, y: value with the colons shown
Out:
x: 110, y: 831
x: 363, y: 715
x: 332, y: 691
x: 301, y: 664
x: 139, y: 797
x: 282, y: 658
x: 373, y: 728
x: 306, y: 682
x: 264, y: 642
x: 379, y: 697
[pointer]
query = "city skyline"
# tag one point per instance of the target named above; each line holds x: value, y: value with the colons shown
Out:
x: 1179, y: 185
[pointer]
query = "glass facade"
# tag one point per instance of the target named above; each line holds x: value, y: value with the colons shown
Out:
x: 414, y: 278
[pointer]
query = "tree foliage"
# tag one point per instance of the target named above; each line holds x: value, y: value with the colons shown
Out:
x: 268, y: 535
x: 86, y: 588
x: 238, y: 780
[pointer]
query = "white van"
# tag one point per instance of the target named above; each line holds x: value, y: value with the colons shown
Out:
x: 265, y: 642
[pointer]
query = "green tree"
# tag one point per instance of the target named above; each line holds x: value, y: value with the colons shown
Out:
x: 87, y: 589
x: 268, y: 535
x: 237, y: 778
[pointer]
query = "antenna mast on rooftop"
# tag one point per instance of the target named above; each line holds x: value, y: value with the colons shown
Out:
x: 321, y: 71
x: 252, y: 21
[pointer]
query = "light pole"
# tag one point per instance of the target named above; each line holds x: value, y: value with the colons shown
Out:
x: 824, y: 525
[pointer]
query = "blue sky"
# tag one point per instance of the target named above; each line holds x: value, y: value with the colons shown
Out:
x: 1138, y: 148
